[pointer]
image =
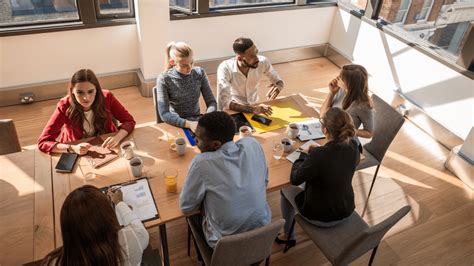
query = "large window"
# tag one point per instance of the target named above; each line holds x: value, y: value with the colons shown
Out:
x: 21, y: 12
x: 240, y: 3
x: 443, y: 26
x: 39, y: 15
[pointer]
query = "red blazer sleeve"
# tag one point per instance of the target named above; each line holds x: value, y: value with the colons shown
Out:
x: 120, y: 113
x: 52, y: 130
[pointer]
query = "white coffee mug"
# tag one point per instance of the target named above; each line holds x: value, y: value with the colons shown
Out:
x: 127, y: 149
x: 245, y: 131
x: 287, y: 144
x: 136, y: 164
x: 179, y: 146
x: 293, y: 130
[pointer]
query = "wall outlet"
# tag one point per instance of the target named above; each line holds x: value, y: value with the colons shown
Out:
x: 27, y: 97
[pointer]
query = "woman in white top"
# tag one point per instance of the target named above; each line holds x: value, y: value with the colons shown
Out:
x: 92, y: 234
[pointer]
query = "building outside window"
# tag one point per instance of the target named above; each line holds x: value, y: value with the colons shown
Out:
x: 24, y: 12
x: 440, y: 25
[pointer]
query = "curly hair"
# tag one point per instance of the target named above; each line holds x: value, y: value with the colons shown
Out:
x: 219, y: 126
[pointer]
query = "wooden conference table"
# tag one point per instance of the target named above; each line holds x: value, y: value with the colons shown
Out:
x: 152, y: 146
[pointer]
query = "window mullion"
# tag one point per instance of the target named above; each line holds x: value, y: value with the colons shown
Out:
x: 87, y: 11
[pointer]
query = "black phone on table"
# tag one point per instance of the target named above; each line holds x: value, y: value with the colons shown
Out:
x: 261, y: 119
x: 66, y: 162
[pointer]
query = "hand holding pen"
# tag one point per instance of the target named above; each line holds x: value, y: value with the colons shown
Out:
x: 115, y: 195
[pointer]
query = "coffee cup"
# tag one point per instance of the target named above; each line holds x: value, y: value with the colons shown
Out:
x: 127, y: 149
x: 245, y: 131
x: 179, y: 146
x: 293, y: 130
x: 287, y: 144
x: 136, y: 164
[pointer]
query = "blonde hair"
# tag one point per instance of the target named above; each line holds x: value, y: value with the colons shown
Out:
x: 176, y: 50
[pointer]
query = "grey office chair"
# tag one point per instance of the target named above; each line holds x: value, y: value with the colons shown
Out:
x: 155, y: 104
x: 9, y: 142
x: 387, y: 124
x: 239, y: 249
x: 345, y: 242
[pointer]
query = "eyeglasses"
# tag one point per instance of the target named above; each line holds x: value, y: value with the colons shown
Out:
x: 321, y: 121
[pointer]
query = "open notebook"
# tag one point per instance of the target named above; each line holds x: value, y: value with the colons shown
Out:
x: 292, y: 157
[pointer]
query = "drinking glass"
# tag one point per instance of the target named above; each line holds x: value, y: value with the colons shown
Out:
x: 171, y: 180
x: 92, y: 174
x: 277, y: 149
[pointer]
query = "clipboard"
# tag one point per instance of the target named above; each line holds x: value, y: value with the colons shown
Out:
x: 138, y: 194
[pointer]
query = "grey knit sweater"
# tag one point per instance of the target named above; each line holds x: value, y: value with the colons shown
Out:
x: 178, y: 95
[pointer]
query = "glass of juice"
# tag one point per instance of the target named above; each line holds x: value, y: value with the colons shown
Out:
x: 171, y: 180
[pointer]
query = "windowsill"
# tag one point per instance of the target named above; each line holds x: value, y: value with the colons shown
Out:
x: 251, y: 10
x: 65, y: 26
x: 418, y: 45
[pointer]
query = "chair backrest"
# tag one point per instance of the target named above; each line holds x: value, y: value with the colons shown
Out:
x: 387, y: 124
x: 246, y: 248
x: 369, y: 238
x: 9, y: 142
x: 155, y: 104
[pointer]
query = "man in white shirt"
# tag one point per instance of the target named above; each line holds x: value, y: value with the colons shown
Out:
x: 238, y: 79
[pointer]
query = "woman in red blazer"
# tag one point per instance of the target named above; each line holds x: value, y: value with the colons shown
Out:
x: 86, y: 112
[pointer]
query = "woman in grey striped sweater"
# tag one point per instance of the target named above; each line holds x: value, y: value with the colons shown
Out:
x: 180, y: 87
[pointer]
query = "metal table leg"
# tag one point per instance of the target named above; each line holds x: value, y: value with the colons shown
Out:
x: 164, y: 245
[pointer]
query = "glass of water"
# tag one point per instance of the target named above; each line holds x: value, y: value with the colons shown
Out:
x: 277, y: 149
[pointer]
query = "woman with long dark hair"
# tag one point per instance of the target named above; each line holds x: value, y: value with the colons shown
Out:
x: 92, y: 234
x: 327, y: 171
x: 87, y: 111
x: 350, y: 91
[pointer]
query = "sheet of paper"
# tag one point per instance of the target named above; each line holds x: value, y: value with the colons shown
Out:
x: 310, y: 129
x: 292, y: 157
x: 138, y: 195
x: 283, y: 113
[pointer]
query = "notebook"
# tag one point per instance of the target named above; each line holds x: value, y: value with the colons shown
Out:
x: 292, y: 157
x: 98, y: 156
x: 138, y: 195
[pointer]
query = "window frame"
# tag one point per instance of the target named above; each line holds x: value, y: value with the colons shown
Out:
x: 130, y: 14
x: 88, y: 18
x: 402, y: 22
x: 427, y: 12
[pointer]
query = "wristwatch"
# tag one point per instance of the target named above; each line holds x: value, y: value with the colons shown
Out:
x: 69, y: 150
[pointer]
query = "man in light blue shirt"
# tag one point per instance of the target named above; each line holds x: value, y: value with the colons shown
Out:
x: 229, y: 179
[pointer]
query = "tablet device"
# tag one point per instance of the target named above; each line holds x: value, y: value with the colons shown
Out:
x: 240, y: 120
x: 66, y: 162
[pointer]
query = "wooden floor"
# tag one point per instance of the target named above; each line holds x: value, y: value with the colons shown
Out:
x: 438, y: 231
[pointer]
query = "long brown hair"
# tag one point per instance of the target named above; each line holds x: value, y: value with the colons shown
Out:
x: 339, y: 125
x: 175, y: 50
x: 89, y: 230
x: 75, y: 111
x: 356, y: 79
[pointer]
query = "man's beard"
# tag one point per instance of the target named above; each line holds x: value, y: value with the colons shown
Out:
x: 245, y: 64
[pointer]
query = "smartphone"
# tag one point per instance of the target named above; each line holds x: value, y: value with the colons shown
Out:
x: 262, y: 120
x: 66, y: 162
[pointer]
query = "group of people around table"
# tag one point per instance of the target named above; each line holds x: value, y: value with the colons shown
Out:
x: 228, y: 180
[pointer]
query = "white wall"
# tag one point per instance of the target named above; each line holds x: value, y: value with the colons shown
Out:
x: 213, y: 37
x: 446, y: 95
x: 36, y: 58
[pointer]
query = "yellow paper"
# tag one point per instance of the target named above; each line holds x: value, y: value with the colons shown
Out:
x: 283, y: 113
